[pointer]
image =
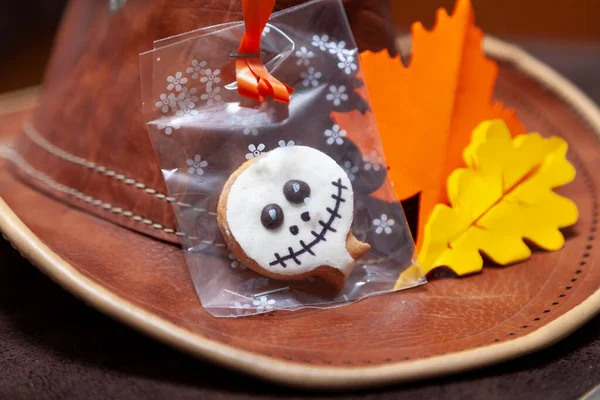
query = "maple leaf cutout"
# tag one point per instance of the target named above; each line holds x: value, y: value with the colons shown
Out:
x: 504, y: 196
x: 426, y: 112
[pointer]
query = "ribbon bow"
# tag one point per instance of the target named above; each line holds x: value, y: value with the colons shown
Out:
x: 253, y: 79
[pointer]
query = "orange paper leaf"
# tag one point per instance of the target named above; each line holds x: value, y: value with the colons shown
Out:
x: 426, y: 112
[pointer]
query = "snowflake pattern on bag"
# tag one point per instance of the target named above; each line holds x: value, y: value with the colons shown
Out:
x: 350, y: 169
x: 235, y: 263
x: 335, y: 135
x: 373, y: 161
x: 180, y: 100
x: 196, y: 68
x: 168, y: 127
x: 255, y: 151
x: 383, y: 224
x: 337, y: 94
x: 264, y: 304
x: 196, y: 165
x: 311, y: 77
x: 198, y: 104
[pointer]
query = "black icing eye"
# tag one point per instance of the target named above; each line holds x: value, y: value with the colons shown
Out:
x: 271, y: 216
x: 296, y: 191
x: 305, y: 216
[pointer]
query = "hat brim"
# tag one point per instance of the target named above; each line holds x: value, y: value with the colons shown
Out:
x: 446, y: 326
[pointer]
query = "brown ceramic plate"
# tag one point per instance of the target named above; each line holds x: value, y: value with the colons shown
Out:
x: 447, y: 326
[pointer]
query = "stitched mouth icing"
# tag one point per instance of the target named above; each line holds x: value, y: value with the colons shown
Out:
x: 319, y: 237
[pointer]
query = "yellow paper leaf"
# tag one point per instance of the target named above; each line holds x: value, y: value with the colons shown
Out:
x: 502, y: 197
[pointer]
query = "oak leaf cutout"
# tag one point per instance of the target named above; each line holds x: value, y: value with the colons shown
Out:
x: 426, y: 112
x: 503, y: 196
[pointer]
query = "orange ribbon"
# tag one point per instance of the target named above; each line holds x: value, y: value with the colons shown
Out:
x: 253, y: 79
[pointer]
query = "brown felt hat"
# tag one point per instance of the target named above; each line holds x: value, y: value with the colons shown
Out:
x: 82, y: 197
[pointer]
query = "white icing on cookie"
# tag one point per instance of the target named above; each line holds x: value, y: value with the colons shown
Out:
x: 319, y: 241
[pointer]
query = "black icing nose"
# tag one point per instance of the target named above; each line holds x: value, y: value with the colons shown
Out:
x: 294, y: 229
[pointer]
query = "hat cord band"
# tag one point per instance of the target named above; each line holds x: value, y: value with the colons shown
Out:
x: 16, y: 158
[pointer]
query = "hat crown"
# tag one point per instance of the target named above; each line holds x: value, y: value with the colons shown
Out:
x: 88, y: 133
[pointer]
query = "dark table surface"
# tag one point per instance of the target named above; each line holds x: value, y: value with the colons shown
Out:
x: 53, y: 346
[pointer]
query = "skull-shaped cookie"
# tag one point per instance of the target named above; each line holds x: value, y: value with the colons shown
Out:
x: 287, y: 215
